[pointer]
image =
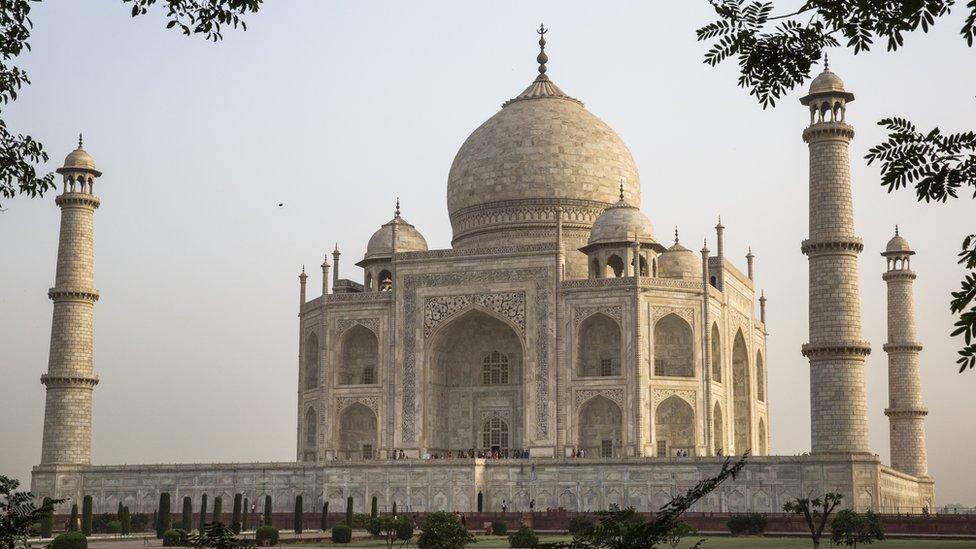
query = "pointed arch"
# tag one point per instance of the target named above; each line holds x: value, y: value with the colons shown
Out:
x: 311, y: 434
x: 763, y: 438
x: 742, y: 420
x: 717, y: 361
x: 674, y: 427
x: 600, y: 427
x: 760, y: 378
x: 311, y: 361
x: 615, y: 266
x: 718, y: 430
x: 357, y: 432
x: 359, y: 356
x: 674, y: 348
x: 598, y: 347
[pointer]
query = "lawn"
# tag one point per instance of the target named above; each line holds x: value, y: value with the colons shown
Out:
x: 716, y: 542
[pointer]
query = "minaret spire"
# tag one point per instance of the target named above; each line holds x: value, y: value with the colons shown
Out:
x: 396, y: 213
x: 542, y: 58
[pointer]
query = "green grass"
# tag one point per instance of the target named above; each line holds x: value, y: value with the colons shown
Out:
x: 724, y: 542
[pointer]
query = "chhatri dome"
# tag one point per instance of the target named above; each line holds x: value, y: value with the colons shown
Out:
x: 622, y: 222
x: 408, y: 238
x: 79, y: 159
x: 679, y: 262
x: 543, y: 150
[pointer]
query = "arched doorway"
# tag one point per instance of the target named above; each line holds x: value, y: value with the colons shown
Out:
x: 600, y: 427
x: 763, y: 439
x: 742, y: 423
x: 716, y: 354
x: 674, y: 427
x: 475, y: 376
x: 311, y: 435
x: 674, y: 348
x: 311, y: 362
x: 718, y: 431
x: 615, y: 267
x: 598, y: 351
x: 357, y: 432
x: 360, y: 354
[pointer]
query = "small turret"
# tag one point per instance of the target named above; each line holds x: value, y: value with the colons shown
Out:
x: 302, y: 278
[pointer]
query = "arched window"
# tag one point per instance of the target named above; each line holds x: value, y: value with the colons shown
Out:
x: 385, y: 281
x: 494, y: 369
x: 311, y: 427
x: 598, y: 351
x: 643, y: 266
x: 495, y: 434
x: 673, y: 348
x: 312, y: 362
x: 615, y: 266
x: 716, y: 354
x: 760, y: 379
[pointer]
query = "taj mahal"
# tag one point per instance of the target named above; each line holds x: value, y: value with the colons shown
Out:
x: 561, y: 350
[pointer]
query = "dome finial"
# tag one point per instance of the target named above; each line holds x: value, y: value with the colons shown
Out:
x: 675, y: 234
x: 826, y: 62
x: 896, y: 229
x: 542, y: 58
x: 79, y: 140
x: 396, y: 213
x: 621, y: 190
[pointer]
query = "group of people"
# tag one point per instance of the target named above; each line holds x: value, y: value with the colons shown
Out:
x: 578, y: 453
x: 470, y: 453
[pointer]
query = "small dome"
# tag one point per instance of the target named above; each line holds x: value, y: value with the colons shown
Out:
x: 898, y: 246
x: 408, y: 239
x: 79, y: 159
x: 826, y: 82
x: 621, y: 223
x: 679, y: 262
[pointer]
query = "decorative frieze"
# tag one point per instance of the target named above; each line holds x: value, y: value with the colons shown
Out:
x: 687, y: 313
x: 615, y: 395
x: 510, y: 305
x: 582, y: 313
x: 659, y: 395
x: 372, y: 324
x: 368, y: 401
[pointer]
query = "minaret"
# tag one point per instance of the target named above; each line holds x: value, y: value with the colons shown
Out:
x: 906, y: 413
x: 838, y: 403
x: 302, y: 280
x: 335, y: 267
x: 749, y: 264
x: 720, y: 250
x: 325, y: 275
x: 69, y: 379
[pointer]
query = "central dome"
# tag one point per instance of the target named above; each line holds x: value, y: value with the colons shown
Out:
x: 543, y: 150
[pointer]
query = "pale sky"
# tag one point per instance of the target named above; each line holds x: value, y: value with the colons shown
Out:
x: 336, y: 108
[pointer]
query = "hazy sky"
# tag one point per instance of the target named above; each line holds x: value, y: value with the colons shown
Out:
x: 334, y: 109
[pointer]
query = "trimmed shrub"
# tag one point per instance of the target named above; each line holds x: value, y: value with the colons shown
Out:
x: 359, y: 520
x: 113, y: 527
x: 246, y: 518
x: 749, y: 524
x: 404, y: 528
x: 443, y: 530
x: 70, y: 540
x: 186, y: 521
x: 523, y: 538
x: 47, y: 522
x: 324, y: 521
x: 499, y: 527
x: 297, y: 521
x: 267, y: 510
x: 86, y: 515
x: 73, y: 519
x: 218, y: 509
x: 266, y: 535
x: 140, y: 522
x: 341, y: 533
x: 203, y: 512
x: 349, y: 510
x: 235, y: 518
x: 579, y: 526
x: 374, y: 526
x: 163, y: 517
x: 174, y: 537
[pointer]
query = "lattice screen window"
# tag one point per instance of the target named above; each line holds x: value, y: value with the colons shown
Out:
x: 367, y: 451
x: 495, y: 434
x: 369, y: 375
x: 606, y: 367
x: 662, y: 448
x: 659, y: 367
x: 495, y: 369
x: 606, y: 448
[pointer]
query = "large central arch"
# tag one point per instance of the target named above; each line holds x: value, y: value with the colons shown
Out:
x: 475, y: 373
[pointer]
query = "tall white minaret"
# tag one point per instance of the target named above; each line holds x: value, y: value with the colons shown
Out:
x: 838, y: 401
x: 69, y: 380
x: 906, y: 412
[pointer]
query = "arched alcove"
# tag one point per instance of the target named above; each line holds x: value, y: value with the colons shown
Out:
x: 600, y: 427
x: 716, y: 354
x: 742, y: 423
x: 311, y: 361
x: 674, y: 348
x: 474, y: 364
x: 311, y: 434
x: 360, y: 354
x: 674, y: 427
x: 615, y: 266
x: 598, y: 348
x: 760, y: 378
x: 763, y: 439
x: 718, y: 431
x: 357, y: 432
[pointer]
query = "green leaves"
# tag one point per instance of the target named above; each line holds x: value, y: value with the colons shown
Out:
x: 964, y: 303
x: 18, y: 513
x: 206, y: 17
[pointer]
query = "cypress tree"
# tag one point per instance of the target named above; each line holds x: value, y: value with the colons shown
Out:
x: 118, y: 513
x: 203, y: 511
x: 47, y: 522
x: 218, y: 509
x: 246, y: 519
x: 73, y: 521
x: 155, y: 519
x: 267, y: 510
x: 481, y: 502
x: 126, y: 524
x: 235, y: 519
x: 373, y: 509
x: 349, y: 511
x: 86, y: 515
x: 299, y: 515
x: 164, y: 516
x: 324, y: 522
x: 394, y: 509
x: 187, y: 522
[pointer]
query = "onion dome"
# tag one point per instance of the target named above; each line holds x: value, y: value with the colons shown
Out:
x: 621, y: 222
x: 679, y: 262
x: 408, y: 239
x: 827, y: 84
x: 542, y: 151
x: 898, y: 245
x: 79, y: 160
